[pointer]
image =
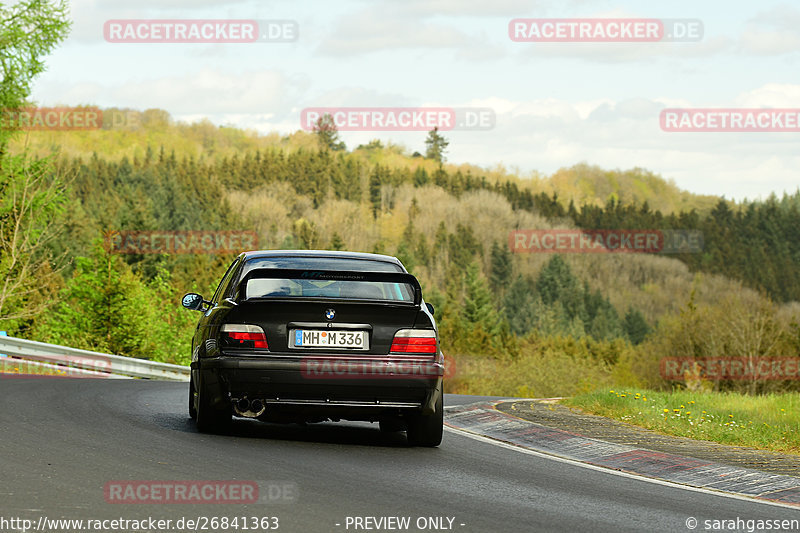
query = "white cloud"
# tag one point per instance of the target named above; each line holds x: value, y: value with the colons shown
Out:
x: 203, y: 93
x: 772, y: 32
x: 622, y: 52
x: 461, y: 8
x: 771, y: 95
x: 88, y: 16
x: 376, y: 29
x: 548, y: 134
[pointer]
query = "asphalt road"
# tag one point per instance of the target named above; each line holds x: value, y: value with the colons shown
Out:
x: 63, y: 440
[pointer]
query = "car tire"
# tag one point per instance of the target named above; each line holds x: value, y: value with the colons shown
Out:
x: 192, y: 408
x: 211, y: 418
x: 426, y: 430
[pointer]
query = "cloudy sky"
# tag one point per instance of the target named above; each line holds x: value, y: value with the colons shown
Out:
x: 556, y: 104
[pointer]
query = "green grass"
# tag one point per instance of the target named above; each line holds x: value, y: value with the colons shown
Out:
x: 768, y: 422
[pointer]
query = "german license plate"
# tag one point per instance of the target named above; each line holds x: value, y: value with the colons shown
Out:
x: 313, y: 338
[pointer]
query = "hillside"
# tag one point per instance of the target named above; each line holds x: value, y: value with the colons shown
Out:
x: 589, y: 319
x: 127, y: 133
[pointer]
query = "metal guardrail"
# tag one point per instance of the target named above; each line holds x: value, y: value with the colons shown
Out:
x: 85, y: 362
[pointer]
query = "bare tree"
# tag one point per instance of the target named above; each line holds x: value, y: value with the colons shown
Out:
x: 32, y: 198
x: 751, y: 332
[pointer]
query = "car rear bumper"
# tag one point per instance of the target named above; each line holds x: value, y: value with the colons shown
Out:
x: 317, y: 386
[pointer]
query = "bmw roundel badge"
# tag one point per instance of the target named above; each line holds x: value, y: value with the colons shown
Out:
x: 330, y: 314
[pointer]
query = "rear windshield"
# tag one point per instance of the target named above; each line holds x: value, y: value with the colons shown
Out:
x: 305, y: 288
x: 321, y: 263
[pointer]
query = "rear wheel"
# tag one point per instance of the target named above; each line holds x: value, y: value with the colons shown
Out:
x: 213, y: 414
x: 426, y: 430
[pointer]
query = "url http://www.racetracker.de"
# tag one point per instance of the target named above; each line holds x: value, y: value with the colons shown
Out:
x: 200, y: 523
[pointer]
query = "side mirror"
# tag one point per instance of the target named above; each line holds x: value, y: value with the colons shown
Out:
x: 193, y: 301
x: 430, y: 307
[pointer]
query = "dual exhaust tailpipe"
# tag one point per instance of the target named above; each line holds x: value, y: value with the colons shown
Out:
x: 249, y: 408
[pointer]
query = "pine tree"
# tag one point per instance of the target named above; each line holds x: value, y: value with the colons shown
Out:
x: 435, y: 146
x: 406, y: 256
x: 556, y: 283
x: 501, y: 268
x: 405, y: 250
x: 635, y: 326
x: 463, y: 246
x: 375, y: 183
x: 101, y: 309
x: 328, y: 134
x: 306, y: 234
x: 421, y: 177
x: 519, y: 306
x: 379, y: 248
x: 478, y: 307
x: 422, y: 250
x: 605, y: 324
x: 336, y: 242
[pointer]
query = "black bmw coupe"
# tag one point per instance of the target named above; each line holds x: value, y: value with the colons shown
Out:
x: 309, y: 336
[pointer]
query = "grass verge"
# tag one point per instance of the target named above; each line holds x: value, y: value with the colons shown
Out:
x: 768, y: 422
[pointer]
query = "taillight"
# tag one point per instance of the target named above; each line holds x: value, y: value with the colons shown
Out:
x: 414, y: 341
x: 244, y: 336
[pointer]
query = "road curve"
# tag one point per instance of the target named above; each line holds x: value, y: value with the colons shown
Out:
x: 62, y: 440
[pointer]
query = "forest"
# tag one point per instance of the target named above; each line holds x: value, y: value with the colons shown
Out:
x: 517, y: 324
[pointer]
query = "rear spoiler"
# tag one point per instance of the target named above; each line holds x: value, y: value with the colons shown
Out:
x: 335, y: 275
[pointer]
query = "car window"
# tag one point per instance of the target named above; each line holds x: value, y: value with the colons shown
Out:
x: 351, y: 290
x: 354, y: 290
x: 223, y: 284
